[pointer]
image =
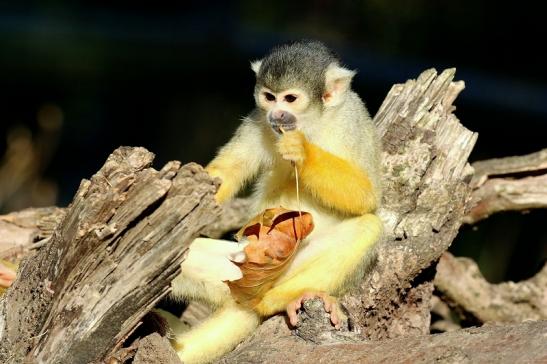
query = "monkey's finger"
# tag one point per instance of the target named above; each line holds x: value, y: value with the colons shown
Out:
x: 211, y: 266
x: 292, y: 157
x: 331, y: 306
x: 5, y: 282
x: 335, y: 319
x: 328, y: 304
x: 239, y: 255
x: 291, y: 313
x: 7, y: 275
x: 218, y: 247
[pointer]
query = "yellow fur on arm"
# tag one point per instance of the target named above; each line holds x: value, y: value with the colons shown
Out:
x: 231, y: 181
x: 238, y: 161
x: 337, y: 183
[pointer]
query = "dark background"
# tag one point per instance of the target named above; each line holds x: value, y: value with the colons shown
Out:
x: 86, y: 77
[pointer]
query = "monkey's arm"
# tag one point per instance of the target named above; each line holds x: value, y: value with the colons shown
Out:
x: 237, y: 161
x: 332, y: 269
x: 334, y: 181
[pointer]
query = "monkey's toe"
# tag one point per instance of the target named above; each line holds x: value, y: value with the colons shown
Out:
x: 330, y: 304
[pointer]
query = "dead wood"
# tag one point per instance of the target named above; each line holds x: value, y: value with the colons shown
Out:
x: 109, y: 260
x: 273, y: 343
x: 461, y: 282
x: 426, y: 178
x: 512, y: 183
x: 20, y: 230
x: 234, y: 215
x: 154, y: 349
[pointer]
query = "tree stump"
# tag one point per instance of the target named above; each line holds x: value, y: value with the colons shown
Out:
x: 110, y: 259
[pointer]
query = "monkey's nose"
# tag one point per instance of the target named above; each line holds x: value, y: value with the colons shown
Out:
x: 279, y: 114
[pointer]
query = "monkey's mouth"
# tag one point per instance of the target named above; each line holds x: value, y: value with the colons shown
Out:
x: 280, y: 127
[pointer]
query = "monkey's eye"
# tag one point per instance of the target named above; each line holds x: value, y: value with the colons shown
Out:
x: 269, y: 96
x: 290, y: 98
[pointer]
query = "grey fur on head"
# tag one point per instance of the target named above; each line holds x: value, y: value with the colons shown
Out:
x: 300, y: 64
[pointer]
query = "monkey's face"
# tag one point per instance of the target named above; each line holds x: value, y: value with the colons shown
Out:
x: 285, y: 110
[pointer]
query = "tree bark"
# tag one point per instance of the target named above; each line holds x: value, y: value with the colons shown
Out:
x: 109, y: 260
x: 426, y: 177
x: 273, y: 343
x: 155, y: 349
x: 512, y: 183
x: 461, y: 283
x: 20, y: 230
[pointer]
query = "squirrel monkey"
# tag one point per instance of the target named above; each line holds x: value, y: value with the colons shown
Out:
x: 307, y: 114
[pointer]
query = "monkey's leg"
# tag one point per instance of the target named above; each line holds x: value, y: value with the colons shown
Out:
x: 331, y: 269
x: 217, y: 335
x: 207, y: 266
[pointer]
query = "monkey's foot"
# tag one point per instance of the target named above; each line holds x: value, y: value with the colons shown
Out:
x: 330, y: 303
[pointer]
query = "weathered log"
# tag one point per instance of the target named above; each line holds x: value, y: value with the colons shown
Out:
x: 504, y: 184
x: 273, y: 343
x: 110, y: 259
x: 234, y: 215
x: 461, y: 282
x: 20, y: 230
x: 426, y: 178
x: 154, y: 349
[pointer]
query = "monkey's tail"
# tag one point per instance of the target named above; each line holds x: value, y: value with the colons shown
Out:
x: 217, y: 335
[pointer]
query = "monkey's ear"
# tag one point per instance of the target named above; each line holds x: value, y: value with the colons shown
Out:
x: 255, y: 66
x: 337, y: 83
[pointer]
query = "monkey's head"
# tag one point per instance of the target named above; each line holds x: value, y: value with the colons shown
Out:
x: 297, y: 82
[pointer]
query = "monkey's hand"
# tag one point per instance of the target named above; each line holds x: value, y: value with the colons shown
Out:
x: 292, y: 146
x: 226, y: 189
x: 214, y: 260
x: 330, y: 303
